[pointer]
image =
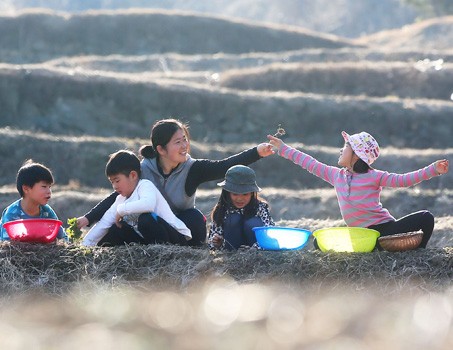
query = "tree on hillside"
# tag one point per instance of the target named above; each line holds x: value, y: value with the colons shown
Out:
x: 432, y: 8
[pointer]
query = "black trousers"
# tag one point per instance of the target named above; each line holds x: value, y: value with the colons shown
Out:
x: 158, y: 231
x: 152, y: 231
x: 421, y: 220
x: 196, y: 222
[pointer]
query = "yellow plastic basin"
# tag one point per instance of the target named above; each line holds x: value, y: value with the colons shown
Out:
x: 346, y: 239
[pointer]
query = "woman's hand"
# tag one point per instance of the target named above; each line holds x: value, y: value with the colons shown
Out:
x: 217, y: 240
x: 275, y: 141
x: 265, y: 149
x: 441, y: 166
x: 82, y: 222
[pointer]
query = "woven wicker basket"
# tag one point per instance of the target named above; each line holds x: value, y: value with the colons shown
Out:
x: 401, y: 241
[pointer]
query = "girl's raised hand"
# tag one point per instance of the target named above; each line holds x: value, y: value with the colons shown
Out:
x: 265, y: 149
x: 275, y: 141
x: 442, y: 166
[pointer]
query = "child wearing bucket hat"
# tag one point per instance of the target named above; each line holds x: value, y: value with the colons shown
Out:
x: 358, y: 185
x: 238, y: 210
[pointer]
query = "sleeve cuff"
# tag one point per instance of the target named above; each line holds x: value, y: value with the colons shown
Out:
x: 121, y: 209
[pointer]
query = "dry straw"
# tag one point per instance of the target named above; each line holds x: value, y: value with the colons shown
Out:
x: 58, y: 268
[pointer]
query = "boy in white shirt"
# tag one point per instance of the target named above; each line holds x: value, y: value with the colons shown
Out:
x: 132, y: 217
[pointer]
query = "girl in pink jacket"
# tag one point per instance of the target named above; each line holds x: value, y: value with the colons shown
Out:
x: 358, y: 186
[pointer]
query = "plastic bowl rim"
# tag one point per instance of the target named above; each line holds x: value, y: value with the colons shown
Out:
x: 18, y: 221
x: 281, y: 228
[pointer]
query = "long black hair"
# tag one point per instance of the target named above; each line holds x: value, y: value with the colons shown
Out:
x: 224, y: 203
x: 161, y: 133
x: 360, y: 167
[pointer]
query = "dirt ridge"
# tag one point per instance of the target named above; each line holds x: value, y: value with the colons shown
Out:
x: 47, y: 100
x: 39, y: 35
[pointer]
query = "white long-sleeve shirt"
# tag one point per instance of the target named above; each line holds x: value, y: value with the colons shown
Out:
x: 146, y: 198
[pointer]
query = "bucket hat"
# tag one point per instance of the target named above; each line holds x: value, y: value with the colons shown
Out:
x: 364, y: 145
x: 240, y: 179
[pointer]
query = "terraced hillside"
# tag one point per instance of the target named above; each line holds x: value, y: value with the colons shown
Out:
x: 75, y: 88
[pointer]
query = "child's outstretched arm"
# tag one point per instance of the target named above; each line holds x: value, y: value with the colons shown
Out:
x: 441, y: 166
x: 412, y: 178
x: 305, y: 161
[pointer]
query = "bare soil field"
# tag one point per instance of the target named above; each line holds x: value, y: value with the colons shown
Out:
x: 433, y: 78
x: 75, y: 88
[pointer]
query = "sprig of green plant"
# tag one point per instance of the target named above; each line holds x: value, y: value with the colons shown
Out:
x: 74, y: 233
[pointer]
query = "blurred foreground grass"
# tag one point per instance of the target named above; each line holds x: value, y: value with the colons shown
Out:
x: 221, y: 313
x: 167, y: 297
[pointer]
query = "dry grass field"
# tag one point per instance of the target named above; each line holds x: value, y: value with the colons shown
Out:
x: 75, y: 88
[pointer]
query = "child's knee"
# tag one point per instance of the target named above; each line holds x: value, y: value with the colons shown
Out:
x: 430, y: 216
x: 428, y: 219
x: 255, y: 221
x: 146, y: 220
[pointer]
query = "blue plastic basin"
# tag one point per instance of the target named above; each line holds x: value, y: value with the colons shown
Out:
x: 281, y: 238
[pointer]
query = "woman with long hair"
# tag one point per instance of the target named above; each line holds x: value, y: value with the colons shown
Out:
x: 167, y: 163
